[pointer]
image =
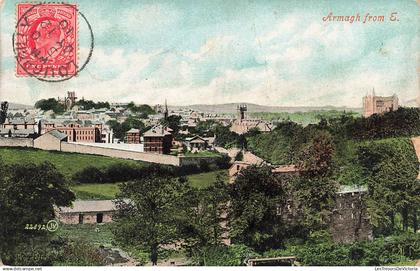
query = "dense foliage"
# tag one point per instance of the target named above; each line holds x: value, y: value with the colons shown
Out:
x: 314, y: 188
x: 3, y: 111
x: 50, y: 104
x: 61, y: 252
x: 120, y: 129
x: 391, y: 167
x: 89, y: 104
x: 28, y: 194
x: 142, y: 110
x: 381, y: 251
x: 255, y: 196
x: 281, y: 145
x: 152, y: 216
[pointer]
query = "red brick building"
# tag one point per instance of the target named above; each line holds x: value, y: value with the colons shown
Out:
x: 75, y: 131
x: 133, y: 136
x: 158, y: 139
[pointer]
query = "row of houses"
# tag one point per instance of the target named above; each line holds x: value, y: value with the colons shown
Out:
x: 76, y: 130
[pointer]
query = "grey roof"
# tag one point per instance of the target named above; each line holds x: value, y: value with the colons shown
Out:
x: 85, y: 206
x: 352, y: 189
x: 20, y: 121
x: 132, y: 130
x: 157, y: 131
x: 5, y: 131
x: 57, y: 134
x: 195, y: 138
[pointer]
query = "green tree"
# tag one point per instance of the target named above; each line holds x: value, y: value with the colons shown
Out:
x: 314, y: 187
x: 89, y: 104
x: 173, y: 122
x: 120, y: 129
x: 28, y: 194
x: 3, y: 111
x: 255, y: 197
x: 206, y: 219
x: 152, y: 215
x: 225, y: 138
x: 142, y: 110
x: 391, y: 167
x: 50, y: 104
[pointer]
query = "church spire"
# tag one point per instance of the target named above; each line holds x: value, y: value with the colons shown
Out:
x: 166, y: 113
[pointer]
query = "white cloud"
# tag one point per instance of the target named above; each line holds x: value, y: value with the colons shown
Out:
x: 290, y: 56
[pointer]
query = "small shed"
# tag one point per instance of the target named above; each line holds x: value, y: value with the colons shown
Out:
x: 50, y: 141
x: 87, y: 212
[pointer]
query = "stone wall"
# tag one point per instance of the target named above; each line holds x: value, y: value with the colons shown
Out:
x: 47, y: 142
x: 88, y: 217
x: 16, y: 142
x: 350, y: 220
x: 126, y: 154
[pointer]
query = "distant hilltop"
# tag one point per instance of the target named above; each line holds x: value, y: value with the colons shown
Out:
x: 231, y: 108
x: 16, y: 106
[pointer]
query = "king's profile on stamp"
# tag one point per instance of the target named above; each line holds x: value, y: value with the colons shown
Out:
x: 46, y: 40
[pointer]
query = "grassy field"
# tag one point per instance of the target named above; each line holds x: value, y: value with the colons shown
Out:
x: 203, y: 180
x: 95, y: 191
x: 109, y: 190
x: 66, y: 163
x: 98, y: 234
x: 202, y: 154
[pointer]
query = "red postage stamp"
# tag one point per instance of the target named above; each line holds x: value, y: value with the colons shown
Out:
x: 46, y: 40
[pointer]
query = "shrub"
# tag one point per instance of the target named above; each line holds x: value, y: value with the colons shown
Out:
x: 120, y: 172
x: 89, y: 174
x: 234, y: 255
x: 223, y: 162
x: 381, y: 251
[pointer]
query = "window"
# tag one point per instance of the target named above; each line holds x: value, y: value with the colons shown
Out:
x: 80, y: 218
x: 99, y: 217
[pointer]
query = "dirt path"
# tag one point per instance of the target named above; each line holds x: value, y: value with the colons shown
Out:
x: 418, y: 263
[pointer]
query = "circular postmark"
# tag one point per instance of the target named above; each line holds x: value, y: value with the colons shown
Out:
x: 45, y: 41
x: 52, y: 225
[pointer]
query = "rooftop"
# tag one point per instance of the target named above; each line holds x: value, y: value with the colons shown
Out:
x: 80, y: 206
x: 157, y: 131
x: 133, y: 131
x: 57, y: 134
x: 352, y: 189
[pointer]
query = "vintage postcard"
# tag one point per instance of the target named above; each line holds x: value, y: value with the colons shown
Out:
x: 209, y: 133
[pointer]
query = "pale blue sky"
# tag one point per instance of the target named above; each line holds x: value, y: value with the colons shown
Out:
x: 266, y: 52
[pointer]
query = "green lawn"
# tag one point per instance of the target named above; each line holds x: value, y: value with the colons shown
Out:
x: 98, y: 234
x: 66, y: 163
x: 404, y: 263
x: 202, y: 154
x: 95, y: 191
x: 109, y: 190
x: 203, y: 180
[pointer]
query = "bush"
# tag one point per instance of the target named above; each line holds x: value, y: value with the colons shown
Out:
x: 204, y: 165
x: 42, y: 252
x: 223, y: 162
x: 121, y: 172
x: 79, y: 253
x: 234, y: 255
x: 381, y: 251
x: 89, y: 174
